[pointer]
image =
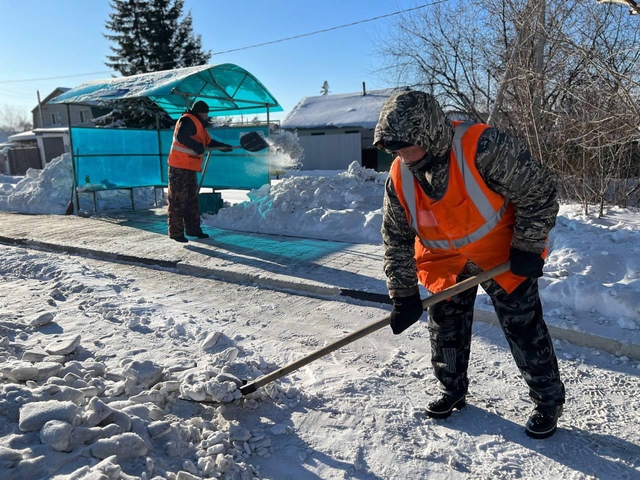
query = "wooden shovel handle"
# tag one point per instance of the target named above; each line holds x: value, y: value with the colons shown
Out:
x: 204, y: 171
x: 383, y: 322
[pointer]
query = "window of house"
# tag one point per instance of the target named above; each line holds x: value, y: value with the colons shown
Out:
x: 55, y: 118
x: 84, y: 116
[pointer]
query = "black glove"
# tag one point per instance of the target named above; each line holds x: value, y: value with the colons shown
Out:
x: 526, y: 264
x: 199, y: 149
x: 225, y: 148
x: 406, y: 311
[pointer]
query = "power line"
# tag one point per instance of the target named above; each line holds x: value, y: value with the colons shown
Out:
x: 55, y: 78
x: 331, y: 29
x: 249, y: 46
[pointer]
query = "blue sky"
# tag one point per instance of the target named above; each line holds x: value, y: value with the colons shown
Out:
x: 45, y: 44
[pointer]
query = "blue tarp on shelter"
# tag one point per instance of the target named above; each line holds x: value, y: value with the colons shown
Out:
x: 119, y: 157
x: 227, y: 88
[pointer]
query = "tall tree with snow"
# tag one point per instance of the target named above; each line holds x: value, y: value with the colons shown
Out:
x: 150, y: 36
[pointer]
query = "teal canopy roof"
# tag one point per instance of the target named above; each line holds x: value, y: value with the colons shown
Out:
x: 228, y: 90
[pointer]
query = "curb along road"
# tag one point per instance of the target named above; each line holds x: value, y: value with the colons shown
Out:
x: 109, y: 240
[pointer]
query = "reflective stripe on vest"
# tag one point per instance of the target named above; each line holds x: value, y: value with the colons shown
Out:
x: 177, y: 146
x: 479, y: 199
x: 188, y: 151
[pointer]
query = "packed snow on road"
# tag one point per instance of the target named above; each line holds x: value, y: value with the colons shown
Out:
x: 98, y: 359
x: 119, y: 371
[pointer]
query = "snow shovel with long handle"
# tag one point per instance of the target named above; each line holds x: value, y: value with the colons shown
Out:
x: 204, y: 170
x: 251, y: 142
x: 352, y: 337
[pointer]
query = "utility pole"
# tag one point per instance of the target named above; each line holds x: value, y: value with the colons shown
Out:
x: 40, y: 110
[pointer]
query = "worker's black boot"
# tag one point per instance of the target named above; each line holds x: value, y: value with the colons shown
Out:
x: 199, y: 234
x: 444, y: 405
x: 543, y: 421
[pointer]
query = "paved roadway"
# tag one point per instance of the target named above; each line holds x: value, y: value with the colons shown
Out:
x: 316, y: 267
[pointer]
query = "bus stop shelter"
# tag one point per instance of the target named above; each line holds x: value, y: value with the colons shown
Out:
x: 122, y: 158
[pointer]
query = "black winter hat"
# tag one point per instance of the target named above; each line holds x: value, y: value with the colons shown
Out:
x: 200, y: 107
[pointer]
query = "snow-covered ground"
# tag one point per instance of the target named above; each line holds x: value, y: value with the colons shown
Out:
x: 94, y: 357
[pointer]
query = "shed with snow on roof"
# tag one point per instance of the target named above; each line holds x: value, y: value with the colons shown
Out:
x: 336, y: 130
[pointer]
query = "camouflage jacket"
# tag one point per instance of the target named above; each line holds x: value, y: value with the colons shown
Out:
x: 505, y: 164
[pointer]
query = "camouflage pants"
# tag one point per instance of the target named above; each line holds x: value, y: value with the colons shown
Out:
x: 520, y: 316
x: 182, y: 209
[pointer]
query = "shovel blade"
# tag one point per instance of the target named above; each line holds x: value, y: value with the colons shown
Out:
x: 253, y: 142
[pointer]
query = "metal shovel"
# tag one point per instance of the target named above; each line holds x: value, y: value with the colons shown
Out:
x: 251, y: 142
x: 383, y: 322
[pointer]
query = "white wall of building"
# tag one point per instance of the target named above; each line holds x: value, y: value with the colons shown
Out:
x: 330, y: 152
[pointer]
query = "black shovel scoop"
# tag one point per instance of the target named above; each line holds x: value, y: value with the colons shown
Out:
x: 253, y: 142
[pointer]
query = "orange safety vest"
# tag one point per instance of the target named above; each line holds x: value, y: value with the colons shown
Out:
x: 182, y: 156
x: 470, y: 222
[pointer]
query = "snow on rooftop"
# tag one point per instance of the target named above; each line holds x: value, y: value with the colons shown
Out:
x: 342, y: 110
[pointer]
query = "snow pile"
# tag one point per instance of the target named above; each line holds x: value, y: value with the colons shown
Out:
x: 594, y: 268
x: 218, y: 377
x: 87, y: 417
x: 82, y: 408
x: 345, y: 207
x: 39, y: 191
x: 49, y: 190
x: 75, y: 408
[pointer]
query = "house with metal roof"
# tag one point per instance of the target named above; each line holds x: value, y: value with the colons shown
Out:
x: 47, y: 114
x: 336, y: 130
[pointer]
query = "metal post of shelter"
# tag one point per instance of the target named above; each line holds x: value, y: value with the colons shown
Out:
x: 268, y: 152
x: 155, y: 196
x: 73, y: 163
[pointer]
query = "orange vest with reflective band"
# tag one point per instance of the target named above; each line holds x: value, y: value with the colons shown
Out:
x: 182, y: 156
x: 470, y: 222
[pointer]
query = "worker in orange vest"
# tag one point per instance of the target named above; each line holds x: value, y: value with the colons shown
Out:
x: 190, y: 140
x: 462, y: 198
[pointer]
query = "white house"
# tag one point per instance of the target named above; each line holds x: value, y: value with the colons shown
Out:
x: 335, y: 130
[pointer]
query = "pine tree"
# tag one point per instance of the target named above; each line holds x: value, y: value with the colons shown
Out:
x: 150, y: 36
x: 325, y: 88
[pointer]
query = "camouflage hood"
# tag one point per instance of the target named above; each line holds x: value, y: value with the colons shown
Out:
x: 416, y: 118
